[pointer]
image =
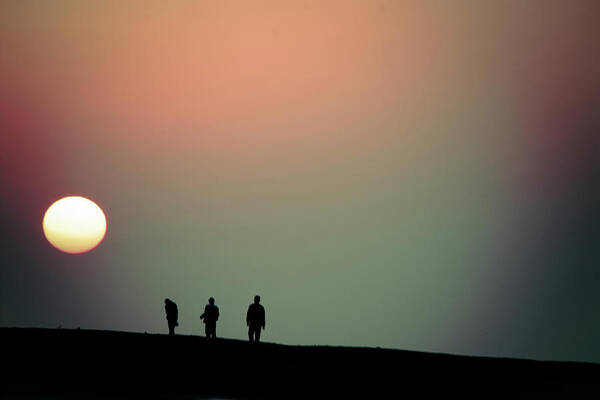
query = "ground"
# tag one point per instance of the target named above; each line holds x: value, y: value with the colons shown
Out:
x: 103, y: 364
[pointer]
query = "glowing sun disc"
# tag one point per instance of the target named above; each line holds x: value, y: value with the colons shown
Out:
x: 74, y: 224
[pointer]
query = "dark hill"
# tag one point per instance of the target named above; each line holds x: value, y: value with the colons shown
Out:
x: 89, y: 363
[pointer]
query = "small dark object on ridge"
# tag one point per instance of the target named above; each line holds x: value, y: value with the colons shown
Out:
x: 172, y: 315
x: 210, y: 317
x: 255, y: 319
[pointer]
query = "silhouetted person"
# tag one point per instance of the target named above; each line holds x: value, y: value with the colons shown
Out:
x: 255, y: 319
x: 210, y: 317
x: 172, y: 315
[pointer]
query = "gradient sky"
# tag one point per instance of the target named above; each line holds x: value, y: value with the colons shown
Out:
x: 408, y: 174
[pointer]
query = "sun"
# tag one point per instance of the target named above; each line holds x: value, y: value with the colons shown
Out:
x: 74, y: 224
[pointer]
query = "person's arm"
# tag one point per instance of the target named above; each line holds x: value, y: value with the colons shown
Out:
x: 248, y: 317
x: 262, y: 312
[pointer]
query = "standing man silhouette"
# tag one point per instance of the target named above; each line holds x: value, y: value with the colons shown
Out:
x: 172, y: 315
x: 210, y: 317
x: 255, y: 319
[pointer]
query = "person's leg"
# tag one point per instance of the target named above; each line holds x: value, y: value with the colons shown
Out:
x: 257, y: 334
x: 250, y: 334
x: 171, y: 329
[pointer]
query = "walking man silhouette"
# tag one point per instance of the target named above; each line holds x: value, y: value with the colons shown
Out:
x: 210, y: 317
x: 172, y: 315
x: 255, y: 319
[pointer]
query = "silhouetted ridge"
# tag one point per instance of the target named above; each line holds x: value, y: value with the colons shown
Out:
x: 88, y: 362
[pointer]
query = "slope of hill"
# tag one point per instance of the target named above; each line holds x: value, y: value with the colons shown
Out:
x: 91, y: 363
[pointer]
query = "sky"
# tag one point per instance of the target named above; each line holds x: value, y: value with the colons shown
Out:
x: 419, y: 175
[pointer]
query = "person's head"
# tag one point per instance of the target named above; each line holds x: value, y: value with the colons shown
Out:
x: 211, y: 301
x: 167, y: 301
x: 256, y: 299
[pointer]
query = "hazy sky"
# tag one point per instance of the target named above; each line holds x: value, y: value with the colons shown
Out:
x: 409, y: 174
